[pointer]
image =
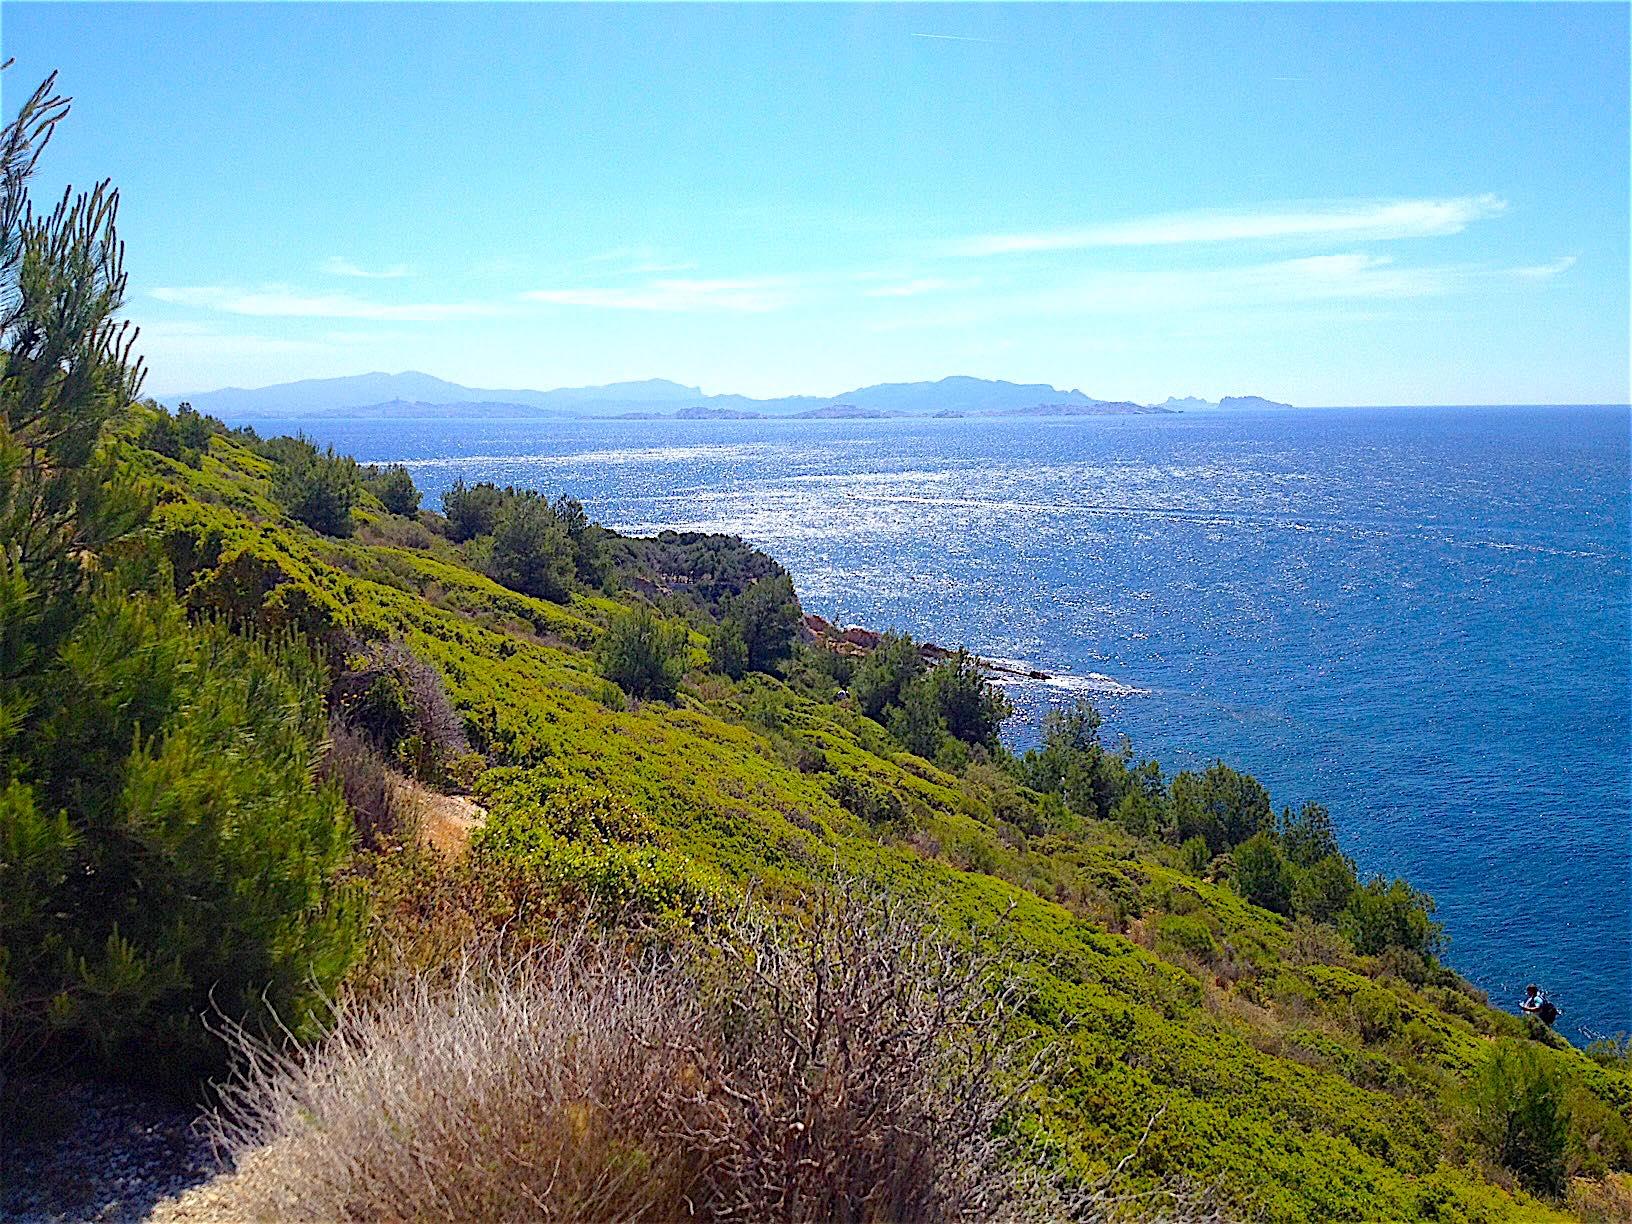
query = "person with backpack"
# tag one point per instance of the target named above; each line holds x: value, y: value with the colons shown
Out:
x: 1537, y: 1004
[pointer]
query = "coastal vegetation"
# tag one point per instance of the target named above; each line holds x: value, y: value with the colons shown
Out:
x: 743, y: 924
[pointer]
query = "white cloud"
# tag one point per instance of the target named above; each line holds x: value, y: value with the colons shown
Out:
x: 1317, y: 278
x: 339, y: 265
x: 1346, y: 220
x: 920, y: 286
x: 281, y: 302
x: 190, y: 339
x: 184, y: 356
x: 1323, y: 277
x: 1546, y: 271
x: 636, y: 261
x: 754, y: 296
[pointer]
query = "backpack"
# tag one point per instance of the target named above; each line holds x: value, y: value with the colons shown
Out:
x: 1547, y: 1012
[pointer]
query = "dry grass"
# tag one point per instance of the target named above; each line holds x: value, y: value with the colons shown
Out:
x: 861, y: 1071
x: 1606, y: 1201
x: 377, y: 809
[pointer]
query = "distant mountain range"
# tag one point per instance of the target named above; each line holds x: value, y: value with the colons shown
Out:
x: 415, y: 396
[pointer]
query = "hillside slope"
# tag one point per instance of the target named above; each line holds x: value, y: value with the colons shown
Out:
x: 1269, y: 1060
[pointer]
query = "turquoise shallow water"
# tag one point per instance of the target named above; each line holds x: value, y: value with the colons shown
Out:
x: 1419, y: 617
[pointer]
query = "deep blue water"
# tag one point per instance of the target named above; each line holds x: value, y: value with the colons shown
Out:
x: 1419, y: 617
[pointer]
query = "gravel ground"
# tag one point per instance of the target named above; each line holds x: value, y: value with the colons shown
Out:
x: 112, y: 1154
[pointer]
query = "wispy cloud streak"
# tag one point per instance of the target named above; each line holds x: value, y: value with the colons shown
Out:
x: 677, y: 295
x: 1348, y: 221
x: 285, y: 303
x: 1319, y: 278
x: 996, y: 42
x: 1546, y: 271
x: 339, y: 265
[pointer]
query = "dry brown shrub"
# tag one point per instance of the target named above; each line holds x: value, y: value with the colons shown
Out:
x: 417, y: 723
x: 862, y: 1070
x: 1602, y: 1201
x: 379, y: 812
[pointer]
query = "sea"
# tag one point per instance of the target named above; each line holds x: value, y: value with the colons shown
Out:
x: 1418, y: 617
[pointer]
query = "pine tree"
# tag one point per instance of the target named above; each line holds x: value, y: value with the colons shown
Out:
x: 65, y: 369
x: 162, y: 842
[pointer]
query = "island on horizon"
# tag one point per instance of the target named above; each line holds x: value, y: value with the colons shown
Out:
x: 415, y: 396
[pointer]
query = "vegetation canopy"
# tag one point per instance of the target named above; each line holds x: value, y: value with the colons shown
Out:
x: 787, y: 931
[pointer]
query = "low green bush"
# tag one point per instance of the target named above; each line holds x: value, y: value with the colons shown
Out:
x: 319, y: 490
x: 531, y: 551
x: 171, y: 853
x: 643, y: 654
x: 395, y: 489
x: 1514, y: 1110
x: 1386, y: 914
x: 1181, y: 933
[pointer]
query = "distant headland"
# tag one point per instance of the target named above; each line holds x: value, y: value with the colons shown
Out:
x: 415, y: 396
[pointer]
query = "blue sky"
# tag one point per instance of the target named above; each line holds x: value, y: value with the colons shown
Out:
x: 1320, y: 203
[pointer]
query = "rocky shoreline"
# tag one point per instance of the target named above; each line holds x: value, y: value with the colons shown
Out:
x: 857, y: 642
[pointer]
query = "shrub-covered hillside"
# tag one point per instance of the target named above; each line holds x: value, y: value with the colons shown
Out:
x: 241, y: 678
x: 1214, y: 970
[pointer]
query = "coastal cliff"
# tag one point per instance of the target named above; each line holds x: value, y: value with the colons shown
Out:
x: 653, y: 729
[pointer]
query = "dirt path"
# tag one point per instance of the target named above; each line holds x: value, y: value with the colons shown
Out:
x: 100, y: 1152
x: 218, y: 1201
x: 445, y: 821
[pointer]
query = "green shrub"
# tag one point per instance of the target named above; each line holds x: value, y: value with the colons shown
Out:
x: 1194, y: 857
x: 767, y: 616
x: 839, y: 668
x: 1182, y: 933
x: 1384, y: 915
x: 1324, y: 890
x: 1376, y: 1014
x: 1260, y: 874
x: 1070, y: 762
x: 727, y: 652
x: 880, y: 682
x: 165, y: 849
x: 384, y: 709
x: 1307, y: 836
x: 867, y: 802
x: 916, y: 723
x: 1514, y: 1110
x: 591, y: 560
x: 531, y: 551
x: 971, y: 708
x: 547, y: 842
x: 395, y: 489
x: 472, y: 510
x: 644, y: 654
x: 64, y: 497
x: 1223, y: 806
x: 767, y: 708
x: 319, y: 490
x: 196, y: 859
x: 184, y: 436
x: 1613, y: 1051
x: 1141, y: 815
